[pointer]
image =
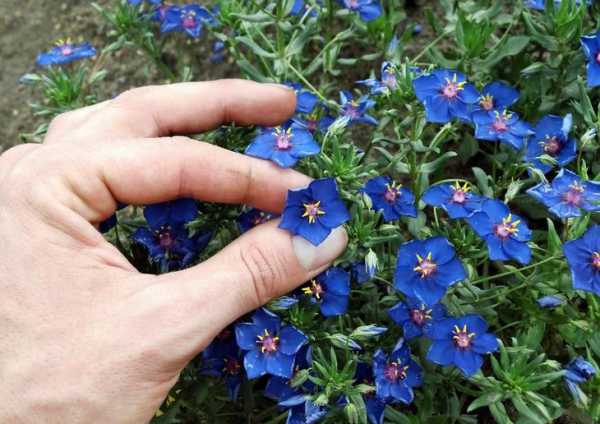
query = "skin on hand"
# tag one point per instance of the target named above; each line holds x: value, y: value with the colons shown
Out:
x: 87, y: 338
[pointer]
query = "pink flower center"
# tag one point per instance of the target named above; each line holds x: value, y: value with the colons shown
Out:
x: 450, y: 90
x: 552, y: 146
x: 394, y: 371
x: 232, y: 366
x: 419, y: 316
x: 426, y: 267
x: 462, y: 338
x: 312, y: 125
x: 575, y: 195
x: 284, y: 140
x: 596, y: 261
x: 165, y: 238
x: 188, y: 20
x: 499, y: 124
x: 267, y: 342
x: 351, y: 110
x: 312, y: 211
x: 66, y: 50
x: 506, y: 228
x: 389, y: 80
x: 459, y: 196
x: 598, y: 57
x: 315, y: 289
x: 352, y: 4
x: 487, y: 102
x: 391, y: 194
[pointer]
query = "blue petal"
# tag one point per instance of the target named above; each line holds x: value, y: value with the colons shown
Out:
x: 279, y: 364
x: 246, y: 335
x: 467, y: 361
x: 334, y: 305
x: 255, y: 364
x: 485, y: 343
x: 437, y: 109
x: 441, y: 352
x: 517, y: 250
x: 291, y: 339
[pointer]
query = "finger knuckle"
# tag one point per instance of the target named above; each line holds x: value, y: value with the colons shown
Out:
x: 62, y: 120
x: 264, y: 270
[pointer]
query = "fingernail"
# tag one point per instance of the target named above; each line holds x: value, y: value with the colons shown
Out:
x: 314, y: 257
x: 285, y: 87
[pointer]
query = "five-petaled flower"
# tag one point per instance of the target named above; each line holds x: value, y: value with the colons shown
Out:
x: 502, y: 126
x: 188, y: 19
x: 167, y: 239
x: 280, y: 389
x: 506, y: 234
x: 576, y: 372
x: 456, y: 199
x: 355, y: 111
x: 271, y: 348
x: 368, y: 10
x: 374, y: 404
x: 551, y: 138
x: 284, y: 145
x: 426, y: 268
x: 496, y: 96
x: 416, y: 317
x: 314, y: 212
x: 446, y: 94
x: 591, y: 49
x: 392, y: 199
x: 65, y: 52
x: 252, y: 218
x: 583, y: 256
x: 305, y: 100
x: 330, y: 290
x: 568, y: 195
x: 388, y: 82
x: 462, y: 342
x: 396, y: 374
x: 223, y: 358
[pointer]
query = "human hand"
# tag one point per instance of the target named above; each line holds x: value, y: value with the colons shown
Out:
x: 85, y: 337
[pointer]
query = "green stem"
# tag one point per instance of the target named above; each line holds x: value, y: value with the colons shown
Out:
x: 430, y: 45
x: 504, y: 274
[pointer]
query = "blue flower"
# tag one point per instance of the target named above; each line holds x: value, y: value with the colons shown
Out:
x: 504, y: 126
x: 446, y: 94
x: 496, y: 96
x: 368, y: 10
x: 330, y: 290
x: 137, y: 2
x: 374, y: 405
x: 388, y: 83
x: 541, y: 4
x: 551, y: 137
x: 456, y: 199
x: 578, y: 371
x: 355, y: 111
x: 66, y: 52
x: 223, y: 358
x: 300, y: 8
x: 396, y: 374
x: 319, y: 120
x: 188, y: 19
x: 314, y: 212
x: 160, y: 12
x: 271, y: 348
x: 583, y: 256
x: 305, y: 100
x: 551, y: 301
x: 416, y: 317
x: 218, y: 52
x: 284, y: 145
x: 392, y: 200
x: 426, y: 268
x: 506, y: 234
x: 461, y: 342
x: 166, y: 238
x: 359, y: 272
x: 280, y: 389
x: 568, y: 195
x: 303, y: 410
x: 591, y: 49
x: 252, y: 218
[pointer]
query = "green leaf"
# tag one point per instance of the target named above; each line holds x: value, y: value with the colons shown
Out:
x: 256, y: 49
x: 486, y: 399
x: 510, y: 47
x: 434, y: 165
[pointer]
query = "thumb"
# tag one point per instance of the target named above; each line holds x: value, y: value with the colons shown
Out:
x: 264, y: 263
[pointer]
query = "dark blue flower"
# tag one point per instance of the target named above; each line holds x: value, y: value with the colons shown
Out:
x: 280, y: 389
x: 456, y: 199
x: 319, y: 120
x: 188, y: 19
x: 505, y: 127
x: 506, y: 234
x: 313, y: 212
x: 446, y: 94
x: 252, y: 218
x: 578, y: 371
x: 305, y: 100
x: 375, y: 406
x: 496, y: 96
x: 388, y: 82
x: 396, y: 374
x: 284, y: 145
x: 166, y: 238
x: 160, y: 12
x: 330, y: 290
x: 416, y: 317
x: 66, y: 52
x: 368, y: 10
x: 426, y: 268
x: 137, y: 2
x: 568, y: 195
x: 300, y: 8
x: 392, y: 199
x: 223, y: 358
x: 271, y: 348
x: 551, y: 301
x: 303, y: 410
x: 217, y: 52
x: 355, y: 111
x: 583, y: 256
x: 359, y: 272
x: 461, y: 342
x: 541, y: 4
x: 551, y: 137
x: 591, y: 49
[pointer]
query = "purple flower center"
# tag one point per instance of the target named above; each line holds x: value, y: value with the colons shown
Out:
x: 420, y: 316
x: 352, y: 4
x: 574, y: 195
x: 426, y: 267
x: 450, y: 90
x: 283, y: 139
x: 462, y: 338
x: 166, y: 238
x: 394, y: 371
x: 596, y: 261
x: 315, y: 289
x: 312, y: 124
x: 390, y: 194
x: 499, y: 124
x: 188, y: 20
x: 506, y: 228
x: 459, y: 196
x: 232, y: 366
x: 312, y: 211
x: 66, y: 50
x: 267, y: 342
x: 389, y: 79
x: 598, y: 57
x: 552, y: 146
x: 351, y: 110
x: 487, y: 102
